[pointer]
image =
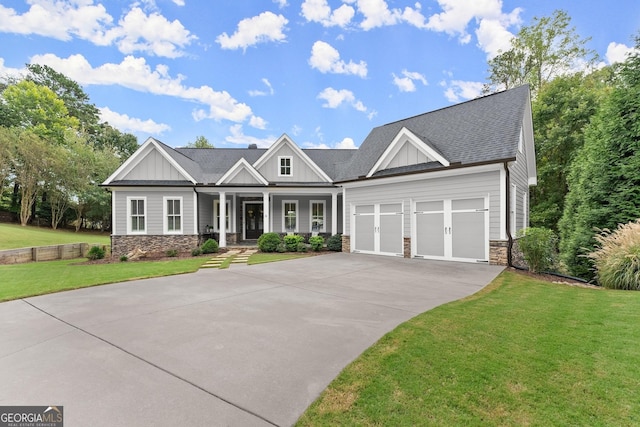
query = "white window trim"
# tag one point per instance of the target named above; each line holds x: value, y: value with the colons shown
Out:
x: 216, y: 213
x: 165, y: 214
x: 284, y: 215
x: 513, y: 209
x: 146, y: 215
x: 322, y: 229
x: 280, y: 158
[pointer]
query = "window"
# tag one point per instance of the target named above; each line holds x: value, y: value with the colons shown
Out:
x: 173, y: 215
x: 216, y: 210
x: 136, y: 215
x: 286, y: 168
x: 290, y: 215
x: 317, y: 215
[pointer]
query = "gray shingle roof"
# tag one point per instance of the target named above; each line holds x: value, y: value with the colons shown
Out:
x: 483, y: 130
x: 486, y: 129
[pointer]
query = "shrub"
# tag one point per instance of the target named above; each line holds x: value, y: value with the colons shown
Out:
x: 281, y: 248
x: 172, y: 253
x: 269, y: 242
x: 334, y: 243
x: 209, y: 247
x: 96, y: 252
x: 316, y: 242
x: 538, y: 245
x: 617, y: 257
x: 302, y: 247
x: 291, y: 242
x: 124, y: 258
x: 196, y: 252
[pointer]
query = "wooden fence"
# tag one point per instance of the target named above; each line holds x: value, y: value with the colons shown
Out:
x: 48, y: 253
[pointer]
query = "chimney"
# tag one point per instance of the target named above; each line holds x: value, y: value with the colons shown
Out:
x: 253, y: 146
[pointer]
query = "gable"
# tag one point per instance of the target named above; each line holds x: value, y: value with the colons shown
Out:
x: 407, y: 149
x: 302, y: 168
x: 150, y: 163
x: 242, y: 173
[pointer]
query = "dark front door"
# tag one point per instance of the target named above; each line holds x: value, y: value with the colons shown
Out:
x: 253, y: 217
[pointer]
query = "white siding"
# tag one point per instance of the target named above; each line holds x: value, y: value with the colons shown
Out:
x: 154, y: 167
x: 456, y: 187
x: 301, y: 171
x: 154, y: 210
x: 408, y: 155
x: 519, y: 177
x: 243, y: 177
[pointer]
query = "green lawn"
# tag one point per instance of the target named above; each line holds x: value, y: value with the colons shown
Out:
x: 36, y: 278
x: 13, y: 236
x: 521, y: 352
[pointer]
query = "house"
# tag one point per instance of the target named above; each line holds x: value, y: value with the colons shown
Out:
x: 451, y: 184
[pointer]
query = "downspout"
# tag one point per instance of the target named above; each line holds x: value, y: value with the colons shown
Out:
x: 508, y: 212
x: 197, y: 209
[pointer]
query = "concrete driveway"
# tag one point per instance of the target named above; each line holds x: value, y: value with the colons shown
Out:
x: 247, y: 346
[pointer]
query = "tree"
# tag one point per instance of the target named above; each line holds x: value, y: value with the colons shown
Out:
x: 7, y: 141
x: 37, y: 108
x: 561, y: 112
x: 31, y: 162
x: 604, y: 180
x: 547, y: 48
x: 200, y: 142
x: 110, y: 138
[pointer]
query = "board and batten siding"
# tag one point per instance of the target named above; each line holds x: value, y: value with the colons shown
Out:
x: 154, y: 167
x: 154, y: 210
x: 467, y: 186
x: 519, y: 176
x: 301, y: 171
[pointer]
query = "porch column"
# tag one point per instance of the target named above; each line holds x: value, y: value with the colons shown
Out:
x: 222, y: 228
x: 265, y: 212
x: 334, y: 213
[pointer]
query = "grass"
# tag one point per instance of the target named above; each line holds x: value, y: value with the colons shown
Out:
x: 261, y: 258
x: 37, y: 278
x: 13, y: 236
x: 521, y: 352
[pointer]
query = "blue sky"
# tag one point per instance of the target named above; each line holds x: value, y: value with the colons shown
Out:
x: 322, y: 71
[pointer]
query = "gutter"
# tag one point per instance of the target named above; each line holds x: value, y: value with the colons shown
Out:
x: 508, y: 212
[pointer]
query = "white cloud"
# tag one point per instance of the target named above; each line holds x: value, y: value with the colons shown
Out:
x: 295, y: 130
x: 263, y: 28
x: 346, y: 144
x: 154, y: 34
x: 320, y: 11
x: 618, y: 52
x: 316, y: 145
x: 407, y: 83
x: 134, y: 73
x: 131, y: 124
x: 493, y: 37
x: 326, y: 59
x: 258, y: 122
x: 335, y: 98
x: 178, y: 2
x: 269, y: 90
x: 63, y: 20
x: 281, y: 3
x: 458, y: 90
x: 10, y: 72
x: 238, y: 137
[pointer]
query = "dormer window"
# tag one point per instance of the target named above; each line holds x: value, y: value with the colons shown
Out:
x: 286, y: 167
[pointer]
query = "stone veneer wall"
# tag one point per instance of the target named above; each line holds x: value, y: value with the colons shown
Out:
x: 498, y: 252
x: 346, y: 243
x: 407, y: 247
x: 122, y: 245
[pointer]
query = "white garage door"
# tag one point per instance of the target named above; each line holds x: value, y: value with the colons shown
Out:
x: 451, y: 229
x: 378, y: 229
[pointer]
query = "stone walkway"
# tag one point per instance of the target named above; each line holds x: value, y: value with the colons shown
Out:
x: 238, y: 256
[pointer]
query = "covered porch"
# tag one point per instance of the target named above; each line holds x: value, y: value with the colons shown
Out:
x: 249, y: 212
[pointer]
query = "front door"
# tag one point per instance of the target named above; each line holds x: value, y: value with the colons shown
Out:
x: 253, y: 226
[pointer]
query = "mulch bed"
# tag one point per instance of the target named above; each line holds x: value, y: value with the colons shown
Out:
x: 551, y: 278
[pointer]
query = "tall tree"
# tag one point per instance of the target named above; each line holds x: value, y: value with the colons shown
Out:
x: 547, y: 48
x: 37, y: 108
x: 561, y: 112
x: 604, y: 181
x: 200, y: 142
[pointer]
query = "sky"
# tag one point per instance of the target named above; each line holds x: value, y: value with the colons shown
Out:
x: 325, y: 72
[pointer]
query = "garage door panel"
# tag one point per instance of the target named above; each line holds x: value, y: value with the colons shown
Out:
x: 391, y: 239
x: 365, y: 238
x: 430, y: 234
x: 468, y: 237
